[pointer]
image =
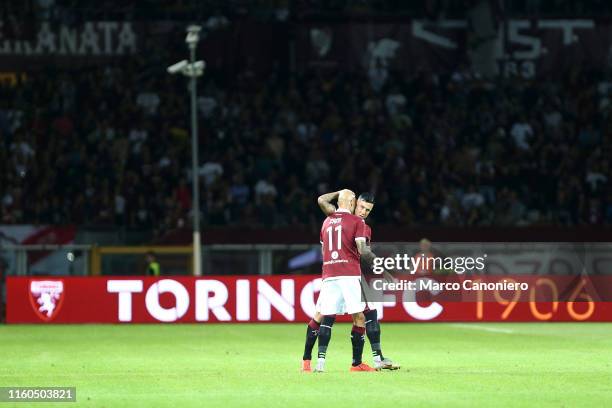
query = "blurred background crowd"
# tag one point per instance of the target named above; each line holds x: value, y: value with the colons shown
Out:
x: 110, y: 145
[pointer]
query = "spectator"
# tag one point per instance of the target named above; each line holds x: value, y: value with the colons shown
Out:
x: 521, y: 132
x: 265, y: 188
x: 472, y: 199
x: 153, y: 268
x: 211, y: 171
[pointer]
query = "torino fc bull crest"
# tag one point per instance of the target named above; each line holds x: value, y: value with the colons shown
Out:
x: 46, y: 298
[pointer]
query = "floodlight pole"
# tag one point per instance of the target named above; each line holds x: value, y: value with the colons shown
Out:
x: 197, y: 245
x: 193, y: 69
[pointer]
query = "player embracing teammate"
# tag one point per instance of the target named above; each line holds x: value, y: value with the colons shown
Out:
x: 344, y: 238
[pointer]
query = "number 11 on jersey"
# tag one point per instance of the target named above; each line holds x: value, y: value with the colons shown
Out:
x: 331, y: 239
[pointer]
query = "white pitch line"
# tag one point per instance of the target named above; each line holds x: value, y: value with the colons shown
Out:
x: 483, y: 328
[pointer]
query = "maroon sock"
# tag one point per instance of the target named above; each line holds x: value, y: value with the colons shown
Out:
x: 314, y: 325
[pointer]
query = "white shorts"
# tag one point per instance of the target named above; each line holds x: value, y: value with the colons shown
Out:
x: 340, y: 295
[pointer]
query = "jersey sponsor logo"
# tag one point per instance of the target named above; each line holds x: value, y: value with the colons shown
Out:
x: 335, y: 261
x: 46, y: 298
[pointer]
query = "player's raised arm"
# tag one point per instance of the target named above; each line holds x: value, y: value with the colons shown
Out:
x: 325, y: 204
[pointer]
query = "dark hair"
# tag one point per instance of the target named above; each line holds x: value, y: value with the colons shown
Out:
x: 367, y: 197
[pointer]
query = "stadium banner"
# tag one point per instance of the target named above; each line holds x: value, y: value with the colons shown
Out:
x: 40, y: 262
x: 96, y: 42
x: 525, y: 47
x: 522, y: 46
x: 251, y: 299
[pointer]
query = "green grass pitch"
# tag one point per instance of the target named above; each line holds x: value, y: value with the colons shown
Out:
x: 207, y: 365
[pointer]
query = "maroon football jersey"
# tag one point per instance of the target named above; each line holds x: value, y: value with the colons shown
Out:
x: 368, y: 234
x: 338, y: 235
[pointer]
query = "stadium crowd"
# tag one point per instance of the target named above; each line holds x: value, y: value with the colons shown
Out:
x: 111, y: 146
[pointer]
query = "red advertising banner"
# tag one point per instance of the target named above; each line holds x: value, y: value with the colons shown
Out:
x: 238, y: 299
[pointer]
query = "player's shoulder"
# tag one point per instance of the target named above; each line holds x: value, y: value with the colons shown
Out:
x: 354, y: 218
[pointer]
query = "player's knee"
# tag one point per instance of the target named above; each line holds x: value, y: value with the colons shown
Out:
x: 371, y: 321
x: 359, y: 319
